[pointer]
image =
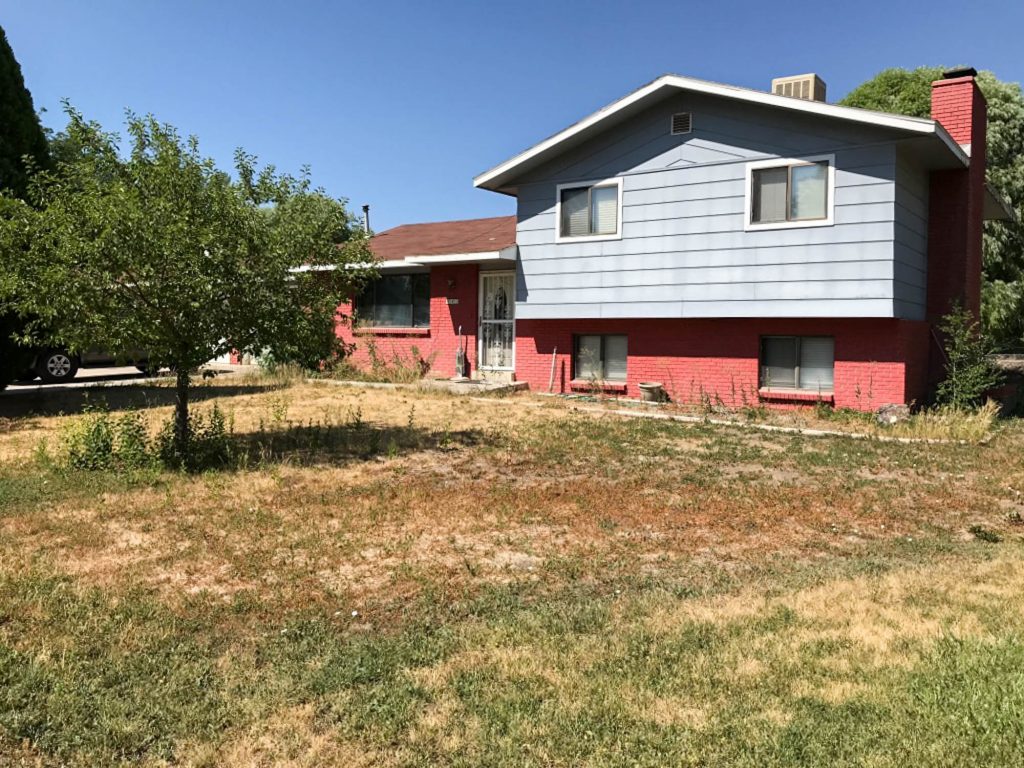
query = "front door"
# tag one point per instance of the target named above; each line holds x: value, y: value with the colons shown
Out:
x: 497, y: 321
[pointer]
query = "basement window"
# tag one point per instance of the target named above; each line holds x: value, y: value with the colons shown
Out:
x: 798, y: 362
x: 395, y: 301
x: 599, y: 358
x: 790, y: 193
x: 591, y: 211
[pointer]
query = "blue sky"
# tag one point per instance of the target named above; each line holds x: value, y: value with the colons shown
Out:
x: 400, y: 104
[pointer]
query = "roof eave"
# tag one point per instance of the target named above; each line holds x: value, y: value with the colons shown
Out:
x: 997, y: 207
x: 498, y: 178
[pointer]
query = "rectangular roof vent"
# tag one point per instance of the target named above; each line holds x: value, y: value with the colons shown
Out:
x: 682, y: 122
x: 809, y: 87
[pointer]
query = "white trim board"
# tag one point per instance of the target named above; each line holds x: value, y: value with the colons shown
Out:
x: 492, y: 179
x: 504, y: 257
x: 830, y: 194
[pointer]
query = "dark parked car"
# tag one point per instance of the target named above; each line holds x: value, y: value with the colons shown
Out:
x: 55, y: 365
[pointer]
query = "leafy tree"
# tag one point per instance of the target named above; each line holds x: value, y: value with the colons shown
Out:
x: 908, y: 92
x: 21, y: 137
x: 158, y: 249
x: 970, y: 372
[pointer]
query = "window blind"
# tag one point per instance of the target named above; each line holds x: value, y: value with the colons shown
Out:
x: 615, y: 358
x: 770, y: 192
x: 604, y: 202
x: 575, y: 212
x: 817, y: 360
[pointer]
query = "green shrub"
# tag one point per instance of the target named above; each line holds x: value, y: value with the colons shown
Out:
x: 970, y: 372
x: 981, y: 533
x: 209, y: 443
x: 131, y: 441
x: 90, y: 442
x: 97, y: 442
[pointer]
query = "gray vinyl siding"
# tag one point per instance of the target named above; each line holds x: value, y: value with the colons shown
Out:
x: 684, y: 251
x: 910, y: 247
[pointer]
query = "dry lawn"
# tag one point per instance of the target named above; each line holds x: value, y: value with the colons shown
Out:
x: 395, y: 577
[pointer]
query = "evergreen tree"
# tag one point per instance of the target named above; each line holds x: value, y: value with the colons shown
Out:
x: 20, y: 135
x: 20, y: 132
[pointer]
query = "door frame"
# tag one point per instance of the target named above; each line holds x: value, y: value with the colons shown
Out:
x: 480, y: 319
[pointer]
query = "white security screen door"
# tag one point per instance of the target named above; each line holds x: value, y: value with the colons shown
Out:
x: 497, y: 318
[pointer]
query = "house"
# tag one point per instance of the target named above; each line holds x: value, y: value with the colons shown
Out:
x: 735, y: 245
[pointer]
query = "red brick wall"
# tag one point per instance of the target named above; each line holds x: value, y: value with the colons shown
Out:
x: 878, y: 361
x: 437, y: 344
x: 956, y: 201
x: 955, y: 211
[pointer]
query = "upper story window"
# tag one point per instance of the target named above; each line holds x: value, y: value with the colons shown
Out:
x: 590, y: 211
x: 396, y: 301
x: 790, y: 193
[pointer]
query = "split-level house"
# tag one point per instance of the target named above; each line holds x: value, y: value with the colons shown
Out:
x: 735, y: 245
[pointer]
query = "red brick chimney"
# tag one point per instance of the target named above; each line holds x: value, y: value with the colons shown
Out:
x: 956, y: 198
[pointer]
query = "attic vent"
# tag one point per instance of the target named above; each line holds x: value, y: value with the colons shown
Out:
x: 682, y: 122
x: 810, y: 87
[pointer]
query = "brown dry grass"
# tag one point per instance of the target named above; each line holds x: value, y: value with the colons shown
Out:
x: 642, y: 503
x: 722, y: 565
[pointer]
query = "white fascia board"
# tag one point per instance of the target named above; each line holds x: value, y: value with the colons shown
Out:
x: 915, y: 125
x: 505, y: 254
x: 314, y: 268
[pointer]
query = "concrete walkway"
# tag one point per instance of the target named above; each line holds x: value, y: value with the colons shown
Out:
x: 467, y: 387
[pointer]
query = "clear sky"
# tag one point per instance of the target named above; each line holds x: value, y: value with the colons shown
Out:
x: 400, y: 104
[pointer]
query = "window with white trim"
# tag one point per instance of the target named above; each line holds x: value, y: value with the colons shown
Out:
x: 600, y: 357
x: 790, y: 192
x: 589, y: 210
x: 798, y: 362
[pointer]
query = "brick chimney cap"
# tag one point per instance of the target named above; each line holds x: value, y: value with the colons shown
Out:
x: 951, y: 74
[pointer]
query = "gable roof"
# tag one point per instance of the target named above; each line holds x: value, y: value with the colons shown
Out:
x: 445, y: 238
x: 499, y: 178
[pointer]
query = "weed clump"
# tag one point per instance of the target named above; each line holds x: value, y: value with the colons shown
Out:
x: 99, y: 441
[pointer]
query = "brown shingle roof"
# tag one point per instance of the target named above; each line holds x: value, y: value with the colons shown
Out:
x: 445, y: 237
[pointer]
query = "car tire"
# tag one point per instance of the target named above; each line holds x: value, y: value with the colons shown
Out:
x: 57, y: 366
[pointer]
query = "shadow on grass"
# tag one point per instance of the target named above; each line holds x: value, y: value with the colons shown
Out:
x: 46, y: 402
x: 335, y: 444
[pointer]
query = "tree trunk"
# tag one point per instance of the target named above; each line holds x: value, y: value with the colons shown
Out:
x: 181, y: 425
